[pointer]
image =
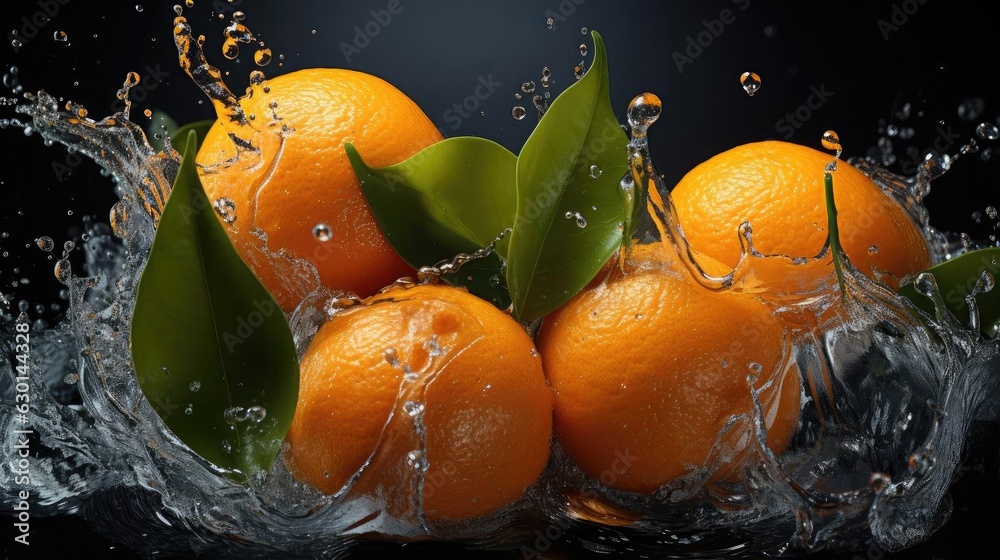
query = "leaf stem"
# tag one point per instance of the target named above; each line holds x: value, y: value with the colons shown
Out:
x: 835, y: 248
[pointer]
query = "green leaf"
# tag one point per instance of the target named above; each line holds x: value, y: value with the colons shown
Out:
x: 208, y: 340
x: 455, y: 196
x: 160, y: 124
x: 956, y: 278
x: 200, y: 128
x: 550, y: 257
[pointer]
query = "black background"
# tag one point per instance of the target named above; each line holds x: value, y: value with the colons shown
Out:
x: 870, y: 58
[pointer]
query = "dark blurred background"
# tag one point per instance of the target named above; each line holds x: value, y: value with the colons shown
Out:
x: 855, y: 68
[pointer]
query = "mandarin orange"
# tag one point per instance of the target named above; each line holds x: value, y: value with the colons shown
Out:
x: 296, y: 185
x: 431, y: 370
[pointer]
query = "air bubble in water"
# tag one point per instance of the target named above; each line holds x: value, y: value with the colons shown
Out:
x: 518, y: 112
x: 546, y: 77
x: 60, y: 36
x: 583, y: 49
x: 971, y: 108
x: 595, y: 171
x: 528, y: 87
x: 873, y: 249
x: 988, y: 131
x: 195, y: 386
x: 71, y: 378
x: 322, y: 232
x: 549, y: 23
x: 138, y: 8
x: 750, y: 82
x: 583, y: 30
x: 991, y: 211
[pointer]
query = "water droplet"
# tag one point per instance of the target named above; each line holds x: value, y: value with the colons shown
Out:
x: 925, y: 284
x: 518, y: 112
x: 226, y: 209
x: 118, y: 219
x: 63, y: 271
x: 322, y: 232
x: 546, y: 80
x: 750, y: 82
x: 583, y: 49
x: 831, y: 141
x: 581, y: 222
x: 45, y: 243
x: 549, y: 23
x: 230, y: 48
x: 60, y: 36
x: 988, y: 131
x: 971, y: 108
x: 583, y: 30
x: 256, y: 414
x: 262, y: 57
x: 595, y: 171
x: 194, y: 386
x: 234, y: 415
x: 643, y: 111
x: 873, y: 249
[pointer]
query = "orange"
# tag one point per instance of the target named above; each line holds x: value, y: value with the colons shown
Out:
x: 300, y: 189
x: 778, y: 187
x: 476, y: 387
x: 649, y: 367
